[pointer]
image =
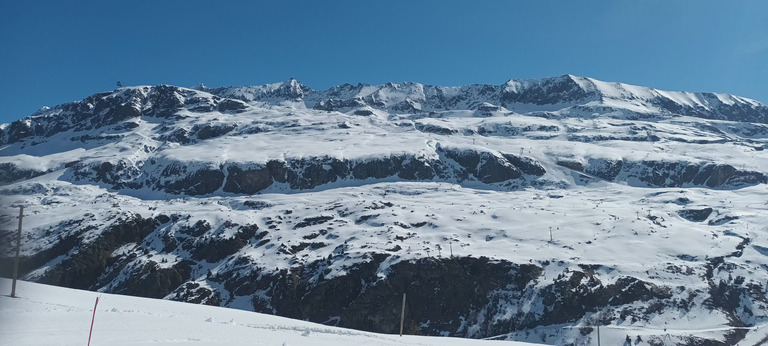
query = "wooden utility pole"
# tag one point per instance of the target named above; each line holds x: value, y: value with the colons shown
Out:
x: 598, y: 334
x: 18, y: 252
x: 550, y: 234
x: 402, y: 316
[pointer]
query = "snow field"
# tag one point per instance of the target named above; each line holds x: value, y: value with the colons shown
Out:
x: 48, y: 315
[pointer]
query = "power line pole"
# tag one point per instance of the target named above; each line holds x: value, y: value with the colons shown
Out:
x: 18, y: 252
x: 402, y: 316
x: 598, y: 334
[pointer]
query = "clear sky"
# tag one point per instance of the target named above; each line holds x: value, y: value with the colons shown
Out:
x: 53, y: 52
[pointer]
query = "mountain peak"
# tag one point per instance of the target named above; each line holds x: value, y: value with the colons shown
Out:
x: 553, y: 90
x: 292, y: 89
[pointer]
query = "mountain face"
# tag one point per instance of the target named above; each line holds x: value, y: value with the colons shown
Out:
x: 534, y: 210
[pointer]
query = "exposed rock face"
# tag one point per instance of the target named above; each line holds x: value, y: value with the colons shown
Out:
x: 696, y: 215
x: 567, y: 297
x: 247, y: 181
x: 525, y: 164
x: 211, y: 131
x: 106, y: 109
x: 82, y: 269
x: 605, y: 169
x: 200, y: 182
x: 453, y: 165
x: 677, y: 174
x: 153, y: 281
x: 574, y: 165
x: 309, y: 173
x: 485, y: 167
x: 434, y: 294
x: 216, y: 249
x: 546, y: 91
x: 10, y: 173
x: 17, y: 131
x: 667, y: 174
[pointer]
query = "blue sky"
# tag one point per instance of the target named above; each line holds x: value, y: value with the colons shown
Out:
x: 60, y: 51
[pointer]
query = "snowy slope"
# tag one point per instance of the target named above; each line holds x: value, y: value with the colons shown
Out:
x: 48, y: 315
x: 560, y: 203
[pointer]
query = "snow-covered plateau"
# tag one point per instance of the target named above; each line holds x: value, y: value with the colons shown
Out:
x: 531, y: 211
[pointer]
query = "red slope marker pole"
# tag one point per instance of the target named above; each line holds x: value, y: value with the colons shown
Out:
x: 92, y: 319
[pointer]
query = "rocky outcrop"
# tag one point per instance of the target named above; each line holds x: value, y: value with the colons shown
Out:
x: 604, y: 168
x: 248, y: 181
x: 82, y: 268
x: 696, y: 215
x: 113, y: 108
x: 154, y: 281
x: 483, y: 166
x: 212, y: 130
x: 200, y: 181
x: 10, y: 173
x: 651, y: 173
x: 678, y: 174
x: 363, y: 300
x: 579, y: 292
x: 215, y: 249
x: 562, y: 89
x: 117, y: 174
x: 444, y: 295
x: 571, y: 164
x: 452, y: 164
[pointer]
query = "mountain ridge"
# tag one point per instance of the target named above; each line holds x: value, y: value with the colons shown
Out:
x: 538, y: 91
x: 570, y: 95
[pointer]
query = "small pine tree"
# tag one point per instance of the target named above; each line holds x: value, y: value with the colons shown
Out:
x: 412, y: 329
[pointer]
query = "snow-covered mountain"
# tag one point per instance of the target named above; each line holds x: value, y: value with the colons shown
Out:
x: 551, y: 97
x: 533, y: 210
